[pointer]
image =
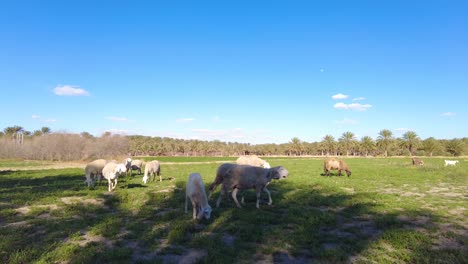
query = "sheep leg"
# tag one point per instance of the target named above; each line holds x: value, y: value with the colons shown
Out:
x: 270, y: 201
x: 213, y: 186
x: 186, y: 204
x: 223, y: 191
x: 258, y: 190
x: 234, y: 196
x: 194, y: 207
x: 115, y: 184
x: 339, y: 172
x: 109, y: 185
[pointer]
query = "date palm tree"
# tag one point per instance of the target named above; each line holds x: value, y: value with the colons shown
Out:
x: 454, y: 147
x: 384, y: 140
x: 329, y: 143
x: 296, y: 146
x: 367, y: 144
x: 347, y: 140
x: 430, y: 145
x: 411, y: 141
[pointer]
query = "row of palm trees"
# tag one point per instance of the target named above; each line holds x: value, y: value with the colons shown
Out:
x: 19, y: 131
x: 385, y: 145
x: 408, y: 144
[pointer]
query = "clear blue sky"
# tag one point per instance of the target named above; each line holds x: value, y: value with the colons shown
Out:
x: 245, y: 71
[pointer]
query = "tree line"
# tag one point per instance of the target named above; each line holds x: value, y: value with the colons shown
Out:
x: 43, y: 144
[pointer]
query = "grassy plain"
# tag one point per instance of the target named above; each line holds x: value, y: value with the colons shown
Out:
x: 388, y: 211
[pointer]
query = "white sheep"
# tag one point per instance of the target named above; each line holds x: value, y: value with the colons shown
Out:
x: 94, y: 170
x: 195, y: 191
x: 451, y: 162
x: 152, y: 168
x: 111, y: 172
x: 253, y: 161
x: 240, y: 177
x: 137, y: 165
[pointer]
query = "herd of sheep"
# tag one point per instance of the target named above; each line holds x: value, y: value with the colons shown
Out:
x: 249, y: 172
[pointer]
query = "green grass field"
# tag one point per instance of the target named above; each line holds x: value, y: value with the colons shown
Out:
x: 387, y: 212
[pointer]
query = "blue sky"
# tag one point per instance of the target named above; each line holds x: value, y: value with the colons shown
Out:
x: 245, y: 71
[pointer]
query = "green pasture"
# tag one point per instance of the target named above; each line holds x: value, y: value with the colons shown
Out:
x: 388, y: 211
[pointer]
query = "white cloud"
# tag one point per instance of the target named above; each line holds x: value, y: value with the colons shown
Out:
x: 448, y: 114
x: 185, y: 120
x: 69, y: 90
x: 118, y: 119
x: 50, y: 120
x: 359, y: 98
x: 340, y: 96
x: 347, y: 121
x: 216, y: 119
x: 35, y: 116
x: 353, y: 106
x: 322, y: 70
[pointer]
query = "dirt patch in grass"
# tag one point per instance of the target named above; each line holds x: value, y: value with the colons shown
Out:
x: 87, y: 238
x: 78, y: 199
x: 17, y: 224
x: 443, y: 242
x: 26, y: 209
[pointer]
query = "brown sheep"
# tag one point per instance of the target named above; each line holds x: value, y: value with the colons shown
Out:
x: 417, y: 161
x: 334, y: 164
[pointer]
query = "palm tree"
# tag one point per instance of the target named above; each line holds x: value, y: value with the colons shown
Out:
x: 384, y: 140
x: 411, y: 141
x: 367, y: 144
x: 45, y: 130
x: 347, y: 139
x: 430, y: 145
x: 454, y: 147
x: 329, y: 143
x: 296, y: 145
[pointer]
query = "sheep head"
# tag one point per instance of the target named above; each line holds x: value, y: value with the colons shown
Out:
x: 278, y: 173
x: 205, y: 212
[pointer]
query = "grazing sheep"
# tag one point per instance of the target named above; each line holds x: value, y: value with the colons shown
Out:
x: 137, y: 165
x: 195, y: 191
x: 94, y: 170
x: 253, y: 161
x: 334, y: 164
x: 128, y: 166
x: 111, y: 172
x: 152, y: 168
x: 417, y: 161
x: 451, y: 162
x: 240, y: 177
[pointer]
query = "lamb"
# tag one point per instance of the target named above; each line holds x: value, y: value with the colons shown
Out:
x: 417, y: 161
x: 253, y: 161
x: 334, y: 164
x: 152, y: 168
x: 240, y: 177
x: 137, y: 165
x: 111, y: 172
x: 195, y: 191
x: 451, y: 162
x: 93, y: 170
x: 128, y: 166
